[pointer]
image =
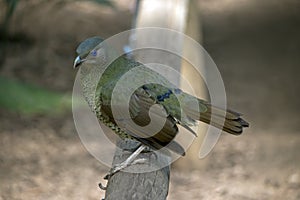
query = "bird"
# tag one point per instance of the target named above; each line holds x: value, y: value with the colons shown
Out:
x: 174, y: 107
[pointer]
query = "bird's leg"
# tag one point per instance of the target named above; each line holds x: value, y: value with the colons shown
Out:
x: 131, y: 150
x: 129, y: 161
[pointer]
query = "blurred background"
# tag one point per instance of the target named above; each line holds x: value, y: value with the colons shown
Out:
x: 256, y: 46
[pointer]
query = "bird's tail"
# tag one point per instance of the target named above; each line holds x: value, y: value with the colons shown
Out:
x: 226, y: 120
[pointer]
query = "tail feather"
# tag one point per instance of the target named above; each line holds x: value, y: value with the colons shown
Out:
x: 228, y: 114
x: 226, y: 120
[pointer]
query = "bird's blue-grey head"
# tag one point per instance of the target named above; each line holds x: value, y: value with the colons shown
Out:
x: 85, y: 48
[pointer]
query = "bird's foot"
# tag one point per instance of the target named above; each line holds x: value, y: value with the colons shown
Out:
x: 131, y: 150
x: 123, y: 165
x: 102, y: 187
x: 129, y: 161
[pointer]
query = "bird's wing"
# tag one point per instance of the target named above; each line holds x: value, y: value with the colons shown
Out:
x: 152, y: 125
x: 186, y: 109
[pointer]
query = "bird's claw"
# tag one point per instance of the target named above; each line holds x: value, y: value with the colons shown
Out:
x: 114, y: 170
x: 123, y: 165
x: 102, y: 187
x: 139, y: 161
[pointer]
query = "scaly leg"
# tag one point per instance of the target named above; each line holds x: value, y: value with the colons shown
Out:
x: 129, y: 161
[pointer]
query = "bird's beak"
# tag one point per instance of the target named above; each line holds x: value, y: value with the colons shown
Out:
x: 77, y: 62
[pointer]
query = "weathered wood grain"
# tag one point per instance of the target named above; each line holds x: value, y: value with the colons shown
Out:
x: 145, y: 186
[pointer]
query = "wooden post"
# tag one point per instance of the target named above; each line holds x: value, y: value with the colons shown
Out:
x: 146, y: 186
x: 172, y: 14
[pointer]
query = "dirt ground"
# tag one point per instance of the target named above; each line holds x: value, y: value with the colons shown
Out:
x: 256, y: 47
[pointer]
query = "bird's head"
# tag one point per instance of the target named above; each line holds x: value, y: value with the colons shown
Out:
x: 86, y: 48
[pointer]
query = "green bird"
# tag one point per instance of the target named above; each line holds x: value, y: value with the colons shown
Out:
x: 171, y: 105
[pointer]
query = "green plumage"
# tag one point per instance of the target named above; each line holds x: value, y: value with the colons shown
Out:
x: 100, y: 80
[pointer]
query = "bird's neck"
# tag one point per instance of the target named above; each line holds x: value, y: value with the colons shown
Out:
x: 90, y: 75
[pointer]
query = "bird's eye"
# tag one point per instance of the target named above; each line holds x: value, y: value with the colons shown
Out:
x: 94, y: 53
